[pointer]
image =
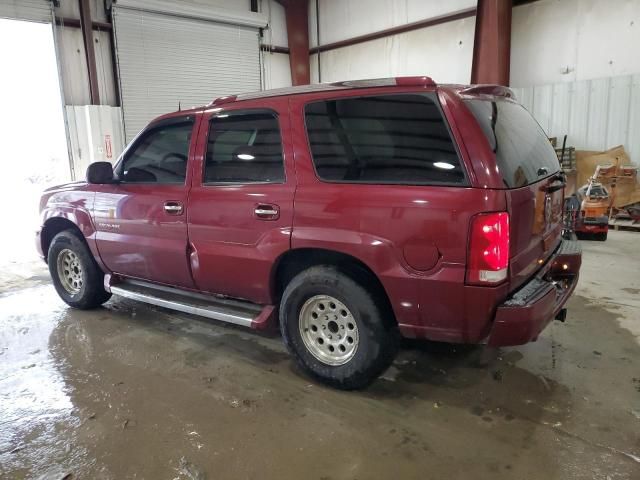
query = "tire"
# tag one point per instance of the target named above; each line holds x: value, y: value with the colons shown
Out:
x: 364, y: 341
x: 80, y: 284
x: 602, y: 236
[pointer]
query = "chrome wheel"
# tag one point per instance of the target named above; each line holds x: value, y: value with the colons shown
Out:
x: 70, y: 271
x: 328, y: 330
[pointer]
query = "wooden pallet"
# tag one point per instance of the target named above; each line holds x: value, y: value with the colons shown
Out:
x: 624, y: 223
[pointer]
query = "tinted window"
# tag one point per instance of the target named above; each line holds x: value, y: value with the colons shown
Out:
x: 386, y: 139
x: 523, y: 152
x: 244, y: 148
x: 159, y: 156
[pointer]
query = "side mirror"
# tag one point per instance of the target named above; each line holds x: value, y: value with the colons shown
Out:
x: 100, y: 173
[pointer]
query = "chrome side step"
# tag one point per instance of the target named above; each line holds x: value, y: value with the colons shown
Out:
x: 218, y: 308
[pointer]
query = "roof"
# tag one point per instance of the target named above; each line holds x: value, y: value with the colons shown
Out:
x: 323, y: 87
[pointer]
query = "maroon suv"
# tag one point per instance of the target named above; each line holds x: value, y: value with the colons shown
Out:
x: 349, y: 213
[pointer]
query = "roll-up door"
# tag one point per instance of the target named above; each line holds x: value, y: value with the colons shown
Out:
x: 185, y: 58
x: 32, y: 10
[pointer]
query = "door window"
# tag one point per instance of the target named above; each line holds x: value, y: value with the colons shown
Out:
x: 397, y: 139
x: 244, y: 148
x: 159, y: 156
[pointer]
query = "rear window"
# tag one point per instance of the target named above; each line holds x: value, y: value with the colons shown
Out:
x: 397, y: 139
x: 523, y: 152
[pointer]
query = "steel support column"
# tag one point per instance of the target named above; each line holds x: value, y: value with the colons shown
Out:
x: 492, y: 43
x: 87, y: 36
x: 297, y: 16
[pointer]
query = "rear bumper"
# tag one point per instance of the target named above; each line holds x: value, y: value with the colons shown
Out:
x: 522, y: 317
x: 593, y: 224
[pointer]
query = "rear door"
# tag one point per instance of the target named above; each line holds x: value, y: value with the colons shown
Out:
x: 529, y: 169
x: 241, y: 202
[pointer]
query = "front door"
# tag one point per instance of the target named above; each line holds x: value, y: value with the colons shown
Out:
x: 141, y: 221
x: 241, y: 201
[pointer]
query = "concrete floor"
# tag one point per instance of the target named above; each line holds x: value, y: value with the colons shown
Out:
x: 131, y: 391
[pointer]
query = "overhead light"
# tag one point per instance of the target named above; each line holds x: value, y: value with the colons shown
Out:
x: 245, y: 156
x: 444, y: 165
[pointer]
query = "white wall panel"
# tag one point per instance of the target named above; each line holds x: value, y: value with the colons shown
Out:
x: 73, y: 65
x: 104, y: 67
x: 277, y: 73
x: 443, y: 52
x: 619, y: 103
x: 598, y: 114
x: 633, y: 134
x: 579, y: 118
x: 561, y: 108
x: 276, y: 33
x: 96, y: 134
x: 594, y: 114
x: 543, y: 105
x: 556, y: 41
x: 343, y: 19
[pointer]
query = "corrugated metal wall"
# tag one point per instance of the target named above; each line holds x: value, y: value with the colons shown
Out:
x: 594, y: 114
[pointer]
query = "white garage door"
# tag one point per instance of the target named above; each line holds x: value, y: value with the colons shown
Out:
x: 168, y: 58
x: 33, y: 10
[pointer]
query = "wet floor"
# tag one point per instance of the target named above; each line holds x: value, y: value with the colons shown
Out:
x: 131, y: 391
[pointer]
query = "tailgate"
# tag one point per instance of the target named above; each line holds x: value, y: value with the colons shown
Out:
x: 530, y: 173
x: 535, y: 229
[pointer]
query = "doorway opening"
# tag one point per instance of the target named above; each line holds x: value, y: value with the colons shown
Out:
x: 33, y: 149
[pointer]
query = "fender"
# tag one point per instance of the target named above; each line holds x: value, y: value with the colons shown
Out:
x: 74, y: 206
x: 378, y: 254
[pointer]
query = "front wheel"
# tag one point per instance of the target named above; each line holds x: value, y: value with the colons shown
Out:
x: 74, y: 272
x: 335, y: 329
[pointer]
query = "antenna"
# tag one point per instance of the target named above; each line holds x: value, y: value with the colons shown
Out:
x: 179, y: 106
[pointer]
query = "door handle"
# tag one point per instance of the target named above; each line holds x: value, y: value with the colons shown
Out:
x: 173, y: 208
x: 267, y: 211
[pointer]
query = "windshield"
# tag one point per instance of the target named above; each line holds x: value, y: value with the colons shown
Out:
x: 524, y: 154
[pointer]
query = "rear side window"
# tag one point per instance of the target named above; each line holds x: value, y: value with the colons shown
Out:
x: 523, y: 152
x: 244, y: 148
x: 397, y: 139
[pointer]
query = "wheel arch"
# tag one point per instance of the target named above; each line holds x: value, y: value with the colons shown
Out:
x: 54, y: 226
x: 294, y: 261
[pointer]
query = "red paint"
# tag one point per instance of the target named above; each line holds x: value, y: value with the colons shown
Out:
x: 297, y: 19
x: 415, y: 239
x: 492, y: 42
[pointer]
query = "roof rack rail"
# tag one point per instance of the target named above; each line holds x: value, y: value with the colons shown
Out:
x: 489, y: 89
x: 422, y: 81
x: 417, y: 81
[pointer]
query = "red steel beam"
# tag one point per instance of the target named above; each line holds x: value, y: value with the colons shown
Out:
x: 87, y: 36
x: 492, y: 43
x: 431, y: 22
x: 297, y: 17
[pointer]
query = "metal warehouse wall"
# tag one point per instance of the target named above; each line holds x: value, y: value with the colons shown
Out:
x: 442, y: 51
x: 570, y: 40
x: 595, y: 114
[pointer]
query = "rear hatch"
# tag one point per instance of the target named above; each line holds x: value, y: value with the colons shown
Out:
x: 530, y: 171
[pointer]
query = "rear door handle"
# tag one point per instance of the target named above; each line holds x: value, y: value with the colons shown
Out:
x: 173, y: 208
x: 267, y: 211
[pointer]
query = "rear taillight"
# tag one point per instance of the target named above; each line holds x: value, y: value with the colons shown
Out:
x: 488, y: 248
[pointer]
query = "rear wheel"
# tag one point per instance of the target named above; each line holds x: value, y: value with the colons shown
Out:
x: 75, y: 273
x: 601, y: 236
x: 335, y: 329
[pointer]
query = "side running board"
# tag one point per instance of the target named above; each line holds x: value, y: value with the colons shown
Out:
x: 210, y: 306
